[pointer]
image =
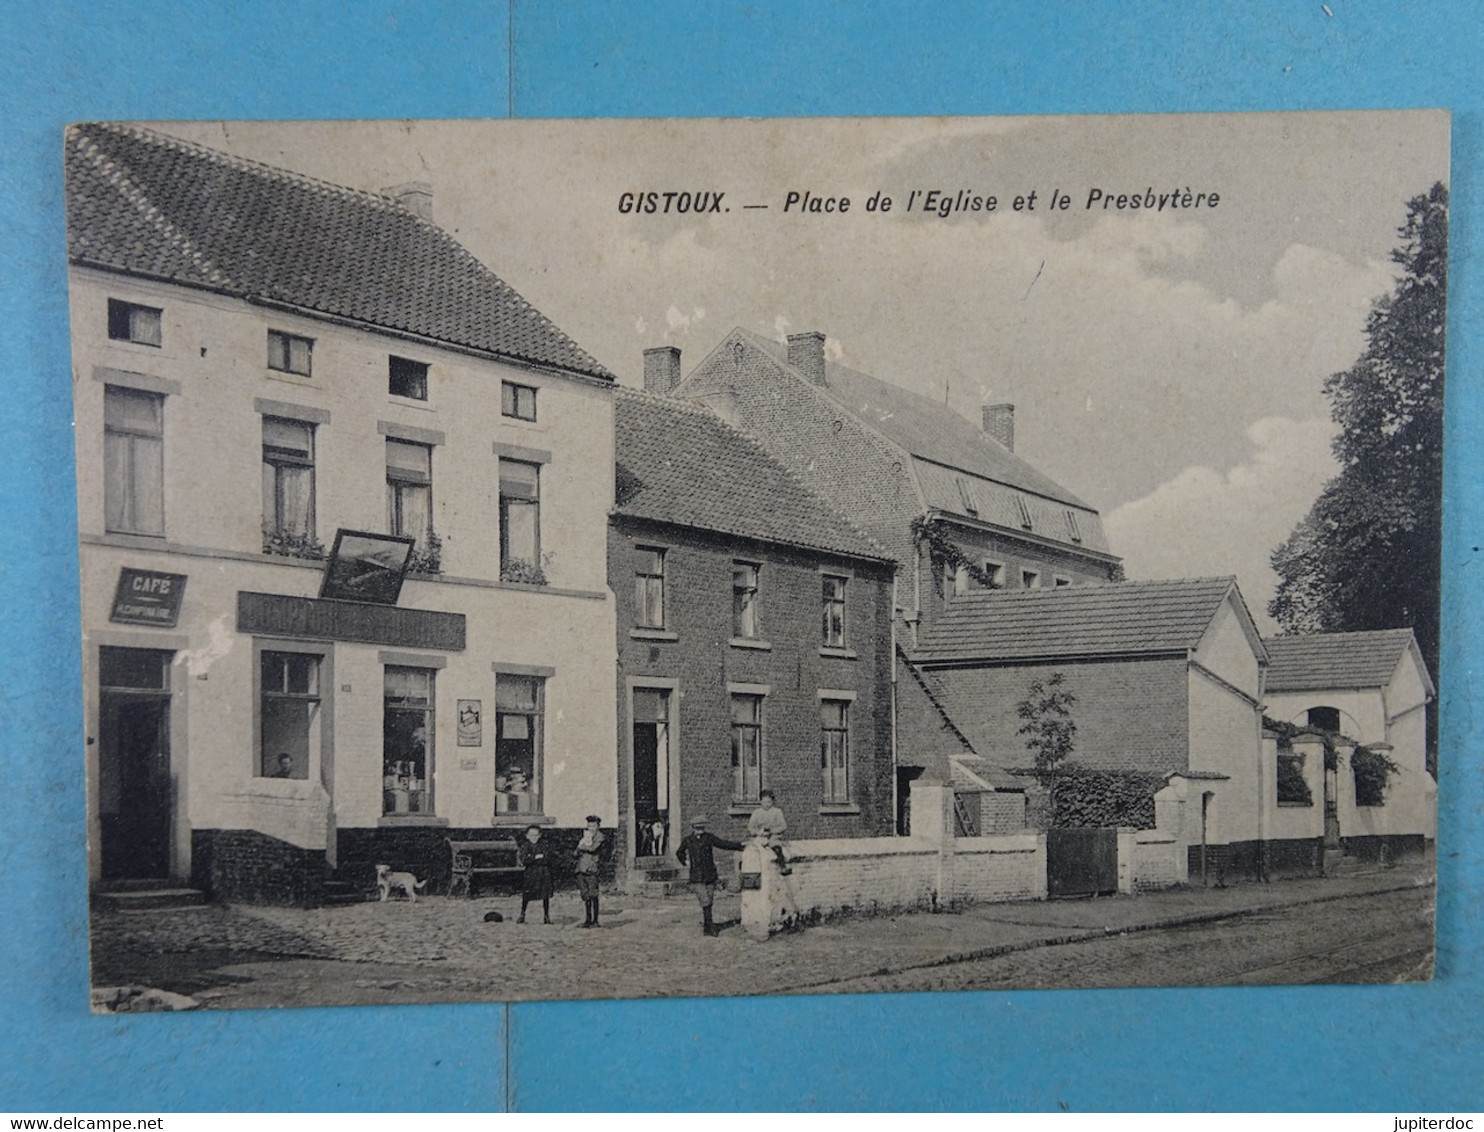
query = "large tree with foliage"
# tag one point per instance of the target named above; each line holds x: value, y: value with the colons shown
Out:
x: 1368, y: 554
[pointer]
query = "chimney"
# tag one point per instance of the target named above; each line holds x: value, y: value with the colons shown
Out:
x: 415, y: 196
x: 662, y: 369
x: 806, y: 354
x: 999, y: 424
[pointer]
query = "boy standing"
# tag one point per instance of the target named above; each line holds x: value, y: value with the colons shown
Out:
x: 697, y: 851
x: 588, y: 850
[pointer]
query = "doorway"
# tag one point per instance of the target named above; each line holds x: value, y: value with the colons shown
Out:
x: 135, y: 785
x: 651, y: 771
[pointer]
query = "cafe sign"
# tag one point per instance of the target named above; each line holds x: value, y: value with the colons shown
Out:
x: 147, y: 597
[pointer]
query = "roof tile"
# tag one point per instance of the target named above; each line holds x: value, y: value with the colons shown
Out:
x: 1335, y: 660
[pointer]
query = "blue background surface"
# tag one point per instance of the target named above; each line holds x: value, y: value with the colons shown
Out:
x: 1378, y: 1048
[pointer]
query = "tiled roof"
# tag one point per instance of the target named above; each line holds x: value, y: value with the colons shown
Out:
x: 1335, y: 660
x: 929, y: 430
x: 678, y: 462
x: 141, y: 202
x: 1117, y: 619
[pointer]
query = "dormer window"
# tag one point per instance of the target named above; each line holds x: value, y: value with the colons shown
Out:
x: 406, y: 378
x: 967, y: 498
x: 1073, y: 530
x: 1025, y: 512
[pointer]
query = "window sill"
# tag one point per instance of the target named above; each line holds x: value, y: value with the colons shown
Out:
x: 742, y: 809
x: 840, y: 653
x: 641, y: 634
x: 750, y: 643
x: 839, y: 809
x: 290, y: 378
x: 520, y: 821
x: 410, y: 402
x: 1295, y: 805
x: 411, y: 819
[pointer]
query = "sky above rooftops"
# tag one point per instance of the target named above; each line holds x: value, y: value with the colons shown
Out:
x: 1166, y: 365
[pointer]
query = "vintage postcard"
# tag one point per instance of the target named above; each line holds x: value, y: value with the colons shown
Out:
x: 550, y: 559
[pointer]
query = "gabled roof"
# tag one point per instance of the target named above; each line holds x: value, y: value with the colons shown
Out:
x: 1116, y: 619
x: 928, y: 430
x: 151, y: 205
x: 680, y: 463
x: 1337, y: 660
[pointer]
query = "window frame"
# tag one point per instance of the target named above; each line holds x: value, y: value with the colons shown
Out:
x: 1074, y: 530
x: 967, y: 496
x: 317, y: 736
x: 536, y: 736
x: 283, y: 458
x: 132, y: 438
x: 1060, y: 581
x: 834, y: 756
x: 286, y: 341
x: 122, y: 326
x: 833, y: 631
x: 995, y: 572
x: 649, y: 586
x: 511, y: 399
x: 509, y: 499
x: 747, y: 790
x: 427, y: 802
x: 399, y: 480
x: 1030, y: 579
x: 746, y: 600
x: 1024, y: 510
x: 418, y: 372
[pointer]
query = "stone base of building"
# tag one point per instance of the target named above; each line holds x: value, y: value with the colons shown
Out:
x: 243, y: 866
x: 1245, y: 861
x: 1386, y: 848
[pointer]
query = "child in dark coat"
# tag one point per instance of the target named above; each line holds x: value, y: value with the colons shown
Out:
x: 536, y: 882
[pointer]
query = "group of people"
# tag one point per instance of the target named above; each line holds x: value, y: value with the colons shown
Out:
x: 696, y: 851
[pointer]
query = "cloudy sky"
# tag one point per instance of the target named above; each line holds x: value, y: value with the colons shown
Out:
x: 1165, y: 365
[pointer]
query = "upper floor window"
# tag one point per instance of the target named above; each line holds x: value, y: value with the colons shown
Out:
x: 409, y: 490
x: 288, y: 714
x: 289, y: 353
x: 520, y: 521
x: 288, y: 483
x: 744, y: 600
x: 649, y: 588
x: 994, y: 574
x: 407, y: 378
x: 834, y: 612
x: 133, y: 461
x: 1061, y: 582
x: 1030, y: 579
x: 967, y: 497
x: 834, y: 749
x: 131, y: 322
x: 518, y: 401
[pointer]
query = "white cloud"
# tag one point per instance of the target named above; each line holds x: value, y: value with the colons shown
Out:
x: 1204, y: 522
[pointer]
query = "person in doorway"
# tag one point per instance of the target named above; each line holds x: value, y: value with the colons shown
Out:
x: 285, y: 767
x: 588, y: 850
x: 536, y: 881
x: 767, y: 824
x: 697, y: 851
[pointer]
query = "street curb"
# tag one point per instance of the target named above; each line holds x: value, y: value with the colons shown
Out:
x: 1086, y: 934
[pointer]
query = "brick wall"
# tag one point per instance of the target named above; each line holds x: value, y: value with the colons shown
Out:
x: 1130, y: 714
x: 246, y: 867
x: 697, y: 658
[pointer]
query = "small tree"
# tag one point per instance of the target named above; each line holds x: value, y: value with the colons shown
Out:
x: 1049, y: 729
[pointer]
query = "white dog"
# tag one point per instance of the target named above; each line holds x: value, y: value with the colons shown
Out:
x: 386, y: 881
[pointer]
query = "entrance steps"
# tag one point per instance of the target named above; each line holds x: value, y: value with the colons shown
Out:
x: 659, y: 876
x: 147, y: 895
x: 338, y: 892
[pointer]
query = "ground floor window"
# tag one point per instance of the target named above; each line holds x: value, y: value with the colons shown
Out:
x: 289, y: 720
x: 747, y: 746
x: 518, y: 734
x: 407, y: 741
x: 834, y: 749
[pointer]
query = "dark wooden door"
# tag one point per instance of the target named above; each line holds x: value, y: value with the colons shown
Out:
x: 134, y: 754
x: 1081, y: 862
x: 646, y: 772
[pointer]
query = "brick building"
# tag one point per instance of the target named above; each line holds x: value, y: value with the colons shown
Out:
x: 271, y: 371
x: 890, y: 461
x: 754, y: 637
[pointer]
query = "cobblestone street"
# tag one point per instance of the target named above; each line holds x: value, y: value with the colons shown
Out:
x: 441, y: 950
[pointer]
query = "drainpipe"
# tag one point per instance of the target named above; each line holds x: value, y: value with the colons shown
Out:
x: 1206, y: 797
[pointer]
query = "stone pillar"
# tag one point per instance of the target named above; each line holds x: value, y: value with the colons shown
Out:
x: 932, y: 820
x: 1126, y: 860
x: 768, y: 903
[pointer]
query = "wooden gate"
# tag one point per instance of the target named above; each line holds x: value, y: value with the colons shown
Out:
x: 1081, y: 862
